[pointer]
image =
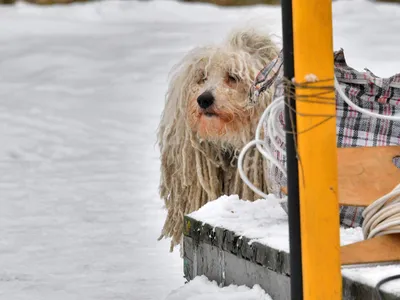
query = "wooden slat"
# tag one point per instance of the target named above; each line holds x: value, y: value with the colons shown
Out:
x: 366, y: 174
x: 376, y: 250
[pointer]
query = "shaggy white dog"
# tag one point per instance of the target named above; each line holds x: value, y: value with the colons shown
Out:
x: 207, y: 119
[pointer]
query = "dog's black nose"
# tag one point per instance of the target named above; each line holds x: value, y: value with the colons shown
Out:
x: 205, y: 100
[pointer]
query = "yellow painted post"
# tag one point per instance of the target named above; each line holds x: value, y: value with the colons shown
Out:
x: 319, y: 208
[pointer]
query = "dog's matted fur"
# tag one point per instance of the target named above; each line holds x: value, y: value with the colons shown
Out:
x: 207, y: 119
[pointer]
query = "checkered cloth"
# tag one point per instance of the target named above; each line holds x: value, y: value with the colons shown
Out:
x: 379, y: 95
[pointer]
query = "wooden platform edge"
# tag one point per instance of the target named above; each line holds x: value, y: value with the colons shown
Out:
x: 380, y: 249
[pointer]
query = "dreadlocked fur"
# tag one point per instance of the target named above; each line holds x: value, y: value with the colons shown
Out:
x: 197, y: 167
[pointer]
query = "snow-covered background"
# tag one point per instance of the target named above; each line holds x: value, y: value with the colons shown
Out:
x: 81, y: 91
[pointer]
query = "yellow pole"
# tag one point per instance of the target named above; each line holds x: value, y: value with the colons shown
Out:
x: 319, y: 208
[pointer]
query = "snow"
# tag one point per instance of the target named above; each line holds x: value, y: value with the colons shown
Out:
x: 81, y: 91
x: 263, y: 221
x: 200, y: 288
x: 372, y: 275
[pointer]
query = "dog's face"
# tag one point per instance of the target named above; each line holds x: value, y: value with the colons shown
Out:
x: 218, y: 87
x: 218, y: 102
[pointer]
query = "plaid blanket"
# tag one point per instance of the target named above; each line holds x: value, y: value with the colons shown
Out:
x: 353, y: 129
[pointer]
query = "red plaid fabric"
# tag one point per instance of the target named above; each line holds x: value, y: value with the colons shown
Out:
x: 354, y: 129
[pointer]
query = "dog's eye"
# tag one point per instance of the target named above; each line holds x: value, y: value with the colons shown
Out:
x: 232, y: 78
x: 202, y: 80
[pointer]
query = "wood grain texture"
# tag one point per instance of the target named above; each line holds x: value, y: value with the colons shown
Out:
x: 366, y: 174
x: 376, y: 250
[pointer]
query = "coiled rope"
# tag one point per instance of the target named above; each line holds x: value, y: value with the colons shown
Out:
x: 270, y: 116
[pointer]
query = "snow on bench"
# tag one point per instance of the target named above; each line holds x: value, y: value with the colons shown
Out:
x: 265, y: 222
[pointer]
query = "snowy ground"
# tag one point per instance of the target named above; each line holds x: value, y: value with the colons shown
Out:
x: 81, y: 90
x: 200, y: 288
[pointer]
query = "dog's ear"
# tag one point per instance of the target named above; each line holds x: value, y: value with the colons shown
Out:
x: 255, y: 43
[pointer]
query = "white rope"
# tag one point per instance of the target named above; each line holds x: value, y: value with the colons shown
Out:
x: 270, y: 116
x: 383, y: 215
x: 360, y: 109
x: 240, y: 166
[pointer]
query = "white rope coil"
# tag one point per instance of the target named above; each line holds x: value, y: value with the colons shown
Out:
x: 383, y: 215
x: 271, y: 118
